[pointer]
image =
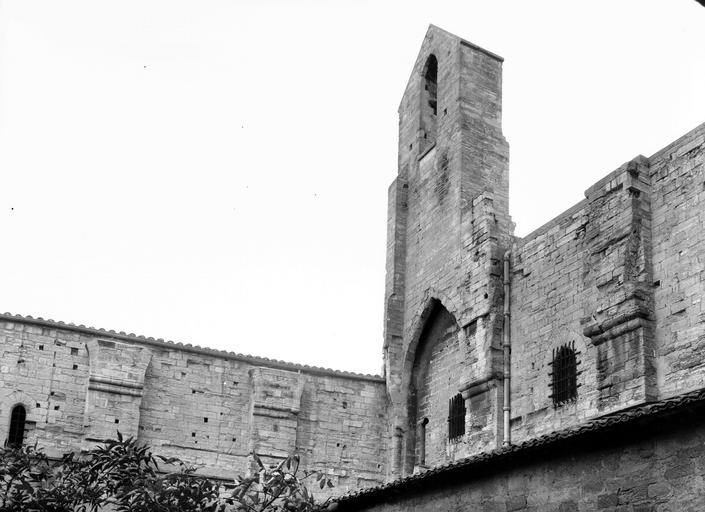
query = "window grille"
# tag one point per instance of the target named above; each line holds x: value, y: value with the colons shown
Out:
x: 17, y: 420
x: 456, y: 417
x: 564, y: 374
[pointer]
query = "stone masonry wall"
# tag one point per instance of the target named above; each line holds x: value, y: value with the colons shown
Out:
x: 645, y: 468
x: 45, y: 370
x: 79, y: 386
x: 621, y: 275
x: 678, y: 198
x: 546, y: 309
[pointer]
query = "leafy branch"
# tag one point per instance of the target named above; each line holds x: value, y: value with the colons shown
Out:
x: 124, y: 475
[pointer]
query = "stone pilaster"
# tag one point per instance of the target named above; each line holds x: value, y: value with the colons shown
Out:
x: 618, y: 316
x: 276, y: 402
x: 115, y: 388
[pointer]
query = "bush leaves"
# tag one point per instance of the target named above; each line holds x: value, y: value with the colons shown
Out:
x: 123, y: 475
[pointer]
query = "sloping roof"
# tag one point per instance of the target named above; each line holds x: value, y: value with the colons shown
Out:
x: 646, y: 412
x: 161, y: 343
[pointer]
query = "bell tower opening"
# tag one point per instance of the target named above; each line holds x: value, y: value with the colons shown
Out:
x: 429, y: 104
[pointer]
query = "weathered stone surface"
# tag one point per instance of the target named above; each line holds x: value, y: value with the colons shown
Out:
x: 205, y: 407
x: 448, y: 228
x: 620, y: 276
x: 606, y: 275
x: 550, y: 473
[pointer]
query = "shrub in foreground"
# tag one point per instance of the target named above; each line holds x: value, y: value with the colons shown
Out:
x: 125, y: 475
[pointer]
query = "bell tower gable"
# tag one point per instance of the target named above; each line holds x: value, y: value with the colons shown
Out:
x: 448, y: 222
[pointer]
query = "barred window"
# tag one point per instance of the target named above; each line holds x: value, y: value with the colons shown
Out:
x: 456, y: 417
x: 564, y: 374
x: 17, y: 420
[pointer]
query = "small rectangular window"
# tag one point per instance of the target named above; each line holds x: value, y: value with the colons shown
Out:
x: 564, y: 374
x: 456, y: 417
x: 470, y: 329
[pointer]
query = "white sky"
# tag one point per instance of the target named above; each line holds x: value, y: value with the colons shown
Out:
x: 215, y: 172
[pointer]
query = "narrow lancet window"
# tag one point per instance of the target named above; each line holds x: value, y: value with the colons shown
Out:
x: 422, y: 442
x: 17, y: 421
x: 564, y: 374
x: 456, y: 417
x: 429, y: 103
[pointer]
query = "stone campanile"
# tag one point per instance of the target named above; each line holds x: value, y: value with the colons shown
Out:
x: 448, y: 228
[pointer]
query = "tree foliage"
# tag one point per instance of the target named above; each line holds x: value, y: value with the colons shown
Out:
x: 126, y: 476
x: 278, y: 488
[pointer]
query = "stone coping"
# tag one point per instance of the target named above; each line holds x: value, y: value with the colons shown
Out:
x: 187, y: 347
x: 610, y: 423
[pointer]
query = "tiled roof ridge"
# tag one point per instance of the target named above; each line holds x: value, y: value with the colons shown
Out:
x: 603, y: 423
x: 159, y: 342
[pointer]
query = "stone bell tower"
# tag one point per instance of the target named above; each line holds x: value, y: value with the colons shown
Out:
x: 448, y: 228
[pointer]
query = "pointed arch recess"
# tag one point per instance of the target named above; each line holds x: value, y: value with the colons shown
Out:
x: 431, y: 327
x: 9, y: 401
x: 418, y: 323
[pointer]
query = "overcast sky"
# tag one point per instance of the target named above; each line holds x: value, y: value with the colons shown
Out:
x: 215, y: 172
